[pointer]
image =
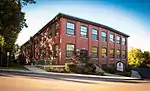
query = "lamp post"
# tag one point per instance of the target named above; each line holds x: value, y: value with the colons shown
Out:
x: 8, y: 53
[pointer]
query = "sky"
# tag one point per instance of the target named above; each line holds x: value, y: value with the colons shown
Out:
x: 128, y: 16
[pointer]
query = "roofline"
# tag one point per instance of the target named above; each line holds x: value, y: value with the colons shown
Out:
x: 90, y: 22
x: 59, y: 15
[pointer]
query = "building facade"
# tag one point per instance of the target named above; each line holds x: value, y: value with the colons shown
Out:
x: 64, y: 34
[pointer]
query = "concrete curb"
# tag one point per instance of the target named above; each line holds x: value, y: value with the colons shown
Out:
x: 69, y: 74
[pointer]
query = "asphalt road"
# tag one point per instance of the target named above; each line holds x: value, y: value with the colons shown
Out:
x: 13, y: 81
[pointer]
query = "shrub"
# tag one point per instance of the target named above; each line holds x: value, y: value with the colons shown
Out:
x: 61, y: 70
x: 111, y: 69
x: 89, y: 68
x: 69, y: 67
x: 51, y: 68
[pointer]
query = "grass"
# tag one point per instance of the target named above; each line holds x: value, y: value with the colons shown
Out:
x: 15, y: 67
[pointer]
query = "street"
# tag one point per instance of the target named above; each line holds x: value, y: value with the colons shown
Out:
x: 11, y: 81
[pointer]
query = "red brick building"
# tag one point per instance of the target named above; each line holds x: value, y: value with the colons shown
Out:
x: 65, y: 34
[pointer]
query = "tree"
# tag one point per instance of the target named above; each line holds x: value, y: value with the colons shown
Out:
x: 146, y: 61
x: 12, y: 20
x: 135, y: 58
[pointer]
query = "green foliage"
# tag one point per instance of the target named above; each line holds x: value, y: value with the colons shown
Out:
x: 2, y: 41
x: 57, y: 69
x: 110, y: 69
x: 12, y: 20
x: 51, y: 68
x: 69, y: 67
x: 89, y: 68
x: 137, y: 58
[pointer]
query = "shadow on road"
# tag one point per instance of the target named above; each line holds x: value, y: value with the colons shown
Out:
x: 70, y: 77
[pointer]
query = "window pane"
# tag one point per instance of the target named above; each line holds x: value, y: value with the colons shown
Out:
x: 104, y: 52
x: 123, y: 41
x: 111, y: 38
x: 104, y: 37
x: 94, y: 52
x: 56, y: 50
x: 70, y: 49
x: 94, y: 34
x: 84, y: 31
x: 83, y: 28
x: 118, y: 53
x: 50, y: 34
x: 118, y: 39
x: 70, y: 25
x: 70, y: 28
x: 94, y: 31
x: 104, y: 34
x: 123, y: 54
x: 70, y: 32
x: 112, y: 53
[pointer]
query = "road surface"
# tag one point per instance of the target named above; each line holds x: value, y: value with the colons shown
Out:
x: 35, y: 82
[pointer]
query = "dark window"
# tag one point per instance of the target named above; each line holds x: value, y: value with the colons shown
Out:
x: 70, y: 48
x: 118, y: 39
x: 104, y: 66
x: 56, y: 50
x: 70, y: 28
x: 40, y: 37
x: 50, y: 34
x: 94, y: 52
x: 118, y: 53
x: 124, y: 54
x: 104, y: 37
x: 104, y: 52
x: 56, y: 28
x: 111, y: 38
x: 44, y: 52
x: 111, y: 65
x: 40, y: 51
x: 84, y: 32
x: 123, y: 41
x: 94, y: 34
x: 112, y: 53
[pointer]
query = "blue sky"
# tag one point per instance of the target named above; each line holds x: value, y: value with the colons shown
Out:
x: 129, y: 16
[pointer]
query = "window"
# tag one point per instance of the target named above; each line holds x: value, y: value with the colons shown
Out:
x: 84, y: 31
x: 44, y: 52
x: 94, y: 34
x: 70, y: 28
x: 50, y: 34
x: 112, y: 53
x: 118, y: 53
x: 40, y: 37
x: 40, y: 51
x: 56, y: 28
x: 111, y: 38
x: 104, y: 52
x: 70, y: 48
x: 111, y: 65
x: 124, y: 54
x: 123, y: 41
x: 45, y: 36
x: 56, y: 50
x: 94, y: 52
x: 118, y: 40
x: 104, y: 37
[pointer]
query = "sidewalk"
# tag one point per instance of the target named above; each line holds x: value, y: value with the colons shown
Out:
x: 35, y: 70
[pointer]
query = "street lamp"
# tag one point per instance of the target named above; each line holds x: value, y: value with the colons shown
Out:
x: 8, y: 53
